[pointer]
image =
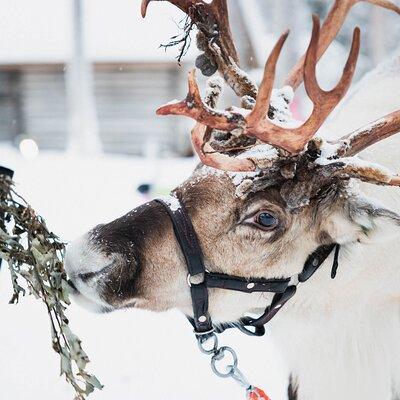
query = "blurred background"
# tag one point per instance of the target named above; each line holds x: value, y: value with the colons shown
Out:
x: 79, y: 84
x: 89, y: 74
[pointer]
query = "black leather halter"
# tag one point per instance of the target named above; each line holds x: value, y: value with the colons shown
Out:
x: 199, y: 279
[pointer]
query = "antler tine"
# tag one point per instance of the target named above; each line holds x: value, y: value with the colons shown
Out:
x: 261, y: 107
x: 329, y: 30
x: 294, y: 140
x: 325, y: 101
x: 194, y: 107
x: 349, y: 167
x: 366, y: 136
x: 208, y: 156
x: 314, y: 91
x: 256, y: 124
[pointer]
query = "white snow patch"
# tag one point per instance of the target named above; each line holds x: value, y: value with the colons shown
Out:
x: 261, y: 152
x: 287, y: 93
x: 207, y: 170
x: 172, y: 201
x: 328, y: 149
x: 171, y: 102
x: 239, y: 110
x: 214, y: 87
x: 236, y: 177
x: 239, y: 177
x: 357, y: 163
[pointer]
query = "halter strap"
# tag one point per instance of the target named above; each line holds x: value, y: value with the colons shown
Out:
x: 189, y: 244
x: 199, y: 279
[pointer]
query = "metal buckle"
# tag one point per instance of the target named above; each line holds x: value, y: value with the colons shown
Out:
x: 190, y: 279
x: 203, y: 333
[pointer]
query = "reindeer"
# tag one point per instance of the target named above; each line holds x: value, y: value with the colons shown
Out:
x: 269, y: 191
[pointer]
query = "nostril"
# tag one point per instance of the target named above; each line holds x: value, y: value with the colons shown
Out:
x: 73, y: 289
x: 85, y: 276
x: 70, y: 283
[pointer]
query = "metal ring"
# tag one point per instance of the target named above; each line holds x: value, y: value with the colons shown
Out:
x: 220, y: 355
x: 202, y: 340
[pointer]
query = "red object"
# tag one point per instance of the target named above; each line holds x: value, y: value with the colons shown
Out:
x: 257, y: 394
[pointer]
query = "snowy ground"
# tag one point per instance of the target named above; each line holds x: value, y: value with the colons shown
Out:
x: 137, y: 355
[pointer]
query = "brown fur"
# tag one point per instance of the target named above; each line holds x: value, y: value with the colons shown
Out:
x: 149, y: 271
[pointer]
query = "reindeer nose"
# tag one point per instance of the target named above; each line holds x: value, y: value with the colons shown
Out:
x: 76, y: 255
x: 85, y: 266
x: 84, y: 259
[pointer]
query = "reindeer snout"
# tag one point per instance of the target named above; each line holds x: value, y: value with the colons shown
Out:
x: 102, y: 266
x: 83, y: 259
x: 86, y: 266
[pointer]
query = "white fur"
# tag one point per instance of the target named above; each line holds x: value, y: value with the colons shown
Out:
x: 80, y: 258
x: 341, y: 337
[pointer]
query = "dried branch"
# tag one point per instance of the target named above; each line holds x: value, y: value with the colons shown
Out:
x: 35, y: 255
x: 183, y: 40
x: 216, y: 41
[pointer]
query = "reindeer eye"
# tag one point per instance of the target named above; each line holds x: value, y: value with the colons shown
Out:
x: 265, y: 220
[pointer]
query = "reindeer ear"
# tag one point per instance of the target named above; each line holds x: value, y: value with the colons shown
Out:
x: 362, y: 220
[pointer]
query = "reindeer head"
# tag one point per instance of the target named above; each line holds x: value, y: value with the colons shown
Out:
x: 267, y: 194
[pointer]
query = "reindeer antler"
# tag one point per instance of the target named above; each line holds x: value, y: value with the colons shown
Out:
x: 366, y: 136
x: 329, y: 31
x: 355, y: 142
x: 256, y: 123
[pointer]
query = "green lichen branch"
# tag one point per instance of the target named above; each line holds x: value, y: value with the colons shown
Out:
x: 35, y: 260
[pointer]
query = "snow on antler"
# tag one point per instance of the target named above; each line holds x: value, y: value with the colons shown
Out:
x: 295, y: 145
x: 256, y: 124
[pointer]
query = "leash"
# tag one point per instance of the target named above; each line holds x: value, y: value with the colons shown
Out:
x: 218, y: 355
x: 199, y: 280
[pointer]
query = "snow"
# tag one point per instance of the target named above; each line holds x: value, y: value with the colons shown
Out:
x: 136, y: 354
x: 214, y: 86
x: 172, y: 202
x: 356, y: 162
x: 260, y: 151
